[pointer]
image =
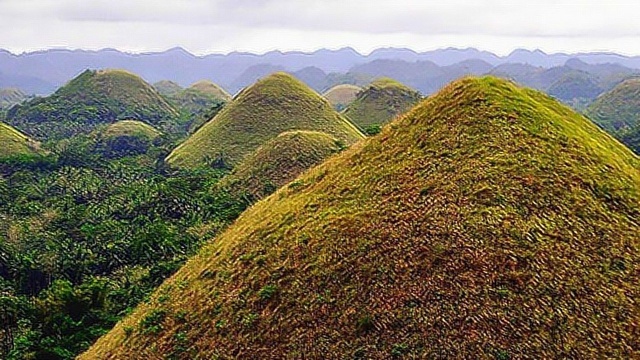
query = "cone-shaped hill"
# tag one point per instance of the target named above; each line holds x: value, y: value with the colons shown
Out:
x: 91, y: 99
x: 342, y: 95
x: 273, y: 105
x: 379, y: 103
x: 200, y: 101
x: 15, y: 143
x: 488, y: 222
x: 618, y: 112
x: 211, y: 89
x: 10, y: 97
x: 280, y: 161
x: 167, y: 87
x: 127, y: 137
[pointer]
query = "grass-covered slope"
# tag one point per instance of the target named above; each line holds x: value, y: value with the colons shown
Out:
x: 131, y: 128
x: 273, y: 105
x: 279, y: 161
x: 340, y: 96
x: 167, y: 87
x: 126, y: 138
x: 618, y: 111
x: 489, y: 222
x: 210, y: 88
x: 200, y: 102
x: 14, y: 143
x: 10, y: 97
x: 379, y: 103
x: 91, y: 99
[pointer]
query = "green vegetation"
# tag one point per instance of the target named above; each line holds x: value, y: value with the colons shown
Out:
x: 273, y: 105
x: 10, y: 97
x: 89, y: 230
x: 126, y: 138
x: 167, y: 87
x: 618, y: 112
x: 489, y: 222
x: 13, y: 143
x: 379, y: 103
x: 278, y: 162
x: 199, y: 103
x: 93, y: 98
x: 340, y: 96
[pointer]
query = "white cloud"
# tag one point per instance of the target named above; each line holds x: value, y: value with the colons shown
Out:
x: 261, y: 25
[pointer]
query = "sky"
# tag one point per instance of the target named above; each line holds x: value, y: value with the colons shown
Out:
x: 222, y: 26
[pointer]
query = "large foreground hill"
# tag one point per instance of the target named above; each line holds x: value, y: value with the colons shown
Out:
x: 489, y: 222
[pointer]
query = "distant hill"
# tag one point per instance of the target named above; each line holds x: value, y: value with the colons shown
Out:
x: 279, y: 161
x: 15, y: 143
x: 127, y: 137
x: 379, y: 103
x: 91, y: 99
x: 488, y: 222
x: 273, y: 105
x: 167, y: 87
x: 199, y: 102
x: 10, y: 97
x: 618, y: 112
x: 342, y: 95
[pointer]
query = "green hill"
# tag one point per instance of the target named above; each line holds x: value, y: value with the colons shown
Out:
x: 167, y: 87
x: 10, y: 97
x: 91, y: 99
x: 379, y: 103
x: 340, y: 96
x: 279, y: 161
x: 489, y: 222
x: 200, y: 102
x: 618, y: 112
x: 15, y: 143
x: 127, y: 137
x: 273, y: 105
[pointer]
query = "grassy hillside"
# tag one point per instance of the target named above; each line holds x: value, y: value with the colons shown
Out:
x: 342, y: 95
x: 91, y: 99
x: 618, y: 112
x: 489, y: 222
x: 207, y: 87
x: 15, y: 143
x: 279, y: 161
x: 131, y: 128
x: 273, y: 105
x: 379, y: 103
x: 200, y: 102
x: 167, y: 87
x: 10, y: 97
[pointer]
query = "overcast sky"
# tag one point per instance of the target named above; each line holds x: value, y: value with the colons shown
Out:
x: 221, y: 26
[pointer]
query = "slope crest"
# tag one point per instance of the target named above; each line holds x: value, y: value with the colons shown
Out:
x: 90, y: 99
x: 488, y: 222
x: 15, y: 143
x: 273, y: 105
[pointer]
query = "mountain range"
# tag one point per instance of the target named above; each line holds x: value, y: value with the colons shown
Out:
x: 42, y: 72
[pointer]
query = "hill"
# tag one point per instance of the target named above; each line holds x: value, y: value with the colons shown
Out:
x: 209, y: 88
x: 489, y: 222
x: 618, y: 112
x: 379, y: 103
x: 91, y: 99
x: 342, y: 95
x: 15, y: 143
x: 10, y: 97
x: 279, y: 161
x: 167, y: 87
x: 127, y: 137
x: 199, y: 102
x: 273, y: 105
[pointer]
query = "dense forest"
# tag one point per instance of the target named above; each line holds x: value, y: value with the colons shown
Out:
x: 89, y: 228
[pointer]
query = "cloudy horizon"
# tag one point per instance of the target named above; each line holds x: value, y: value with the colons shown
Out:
x: 222, y: 26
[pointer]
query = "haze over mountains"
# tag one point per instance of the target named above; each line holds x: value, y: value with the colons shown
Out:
x: 44, y: 71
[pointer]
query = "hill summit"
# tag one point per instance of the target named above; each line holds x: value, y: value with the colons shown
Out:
x: 340, y: 96
x: 379, y: 103
x: 91, y: 99
x: 274, y: 104
x: 488, y: 222
x: 618, y: 112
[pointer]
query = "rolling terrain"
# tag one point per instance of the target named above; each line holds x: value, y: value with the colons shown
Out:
x: 618, y: 112
x: 273, y: 105
x: 379, y: 103
x: 488, y: 222
x: 340, y: 96
x: 92, y: 98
